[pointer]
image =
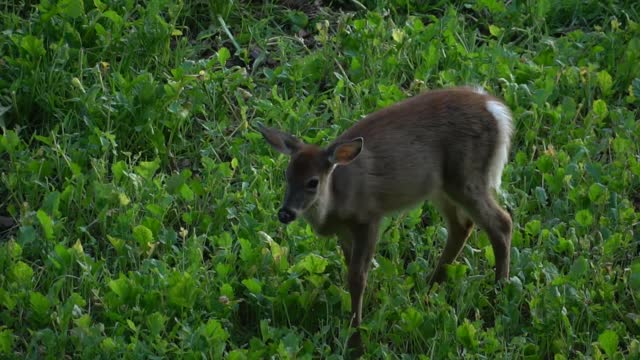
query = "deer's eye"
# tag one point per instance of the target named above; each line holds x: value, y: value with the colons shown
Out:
x: 312, y: 184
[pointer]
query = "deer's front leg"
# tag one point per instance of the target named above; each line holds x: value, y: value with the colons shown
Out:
x: 364, y: 239
x: 345, y: 239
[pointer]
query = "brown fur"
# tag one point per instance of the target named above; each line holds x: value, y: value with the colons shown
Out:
x: 438, y: 146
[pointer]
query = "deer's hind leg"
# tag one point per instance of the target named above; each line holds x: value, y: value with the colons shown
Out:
x: 459, y: 226
x: 481, y: 206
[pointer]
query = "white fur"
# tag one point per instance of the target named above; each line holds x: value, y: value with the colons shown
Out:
x: 323, y: 202
x: 479, y: 90
x: 503, y: 117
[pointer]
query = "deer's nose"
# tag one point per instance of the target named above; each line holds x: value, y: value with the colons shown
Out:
x: 286, y: 215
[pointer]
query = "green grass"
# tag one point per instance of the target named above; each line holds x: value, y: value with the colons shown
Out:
x: 145, y: 200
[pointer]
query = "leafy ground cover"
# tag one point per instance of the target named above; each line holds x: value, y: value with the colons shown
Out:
x: 138, y: 202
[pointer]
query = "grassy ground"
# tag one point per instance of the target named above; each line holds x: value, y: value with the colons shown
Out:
x: 144, y: 200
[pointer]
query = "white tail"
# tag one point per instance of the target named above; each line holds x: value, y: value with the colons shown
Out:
x: 448, y: 146
x: 502, y: 114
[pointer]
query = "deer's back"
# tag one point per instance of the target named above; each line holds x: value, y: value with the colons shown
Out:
x: 414, y: 147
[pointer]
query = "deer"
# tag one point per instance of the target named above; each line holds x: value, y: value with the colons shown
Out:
x: 447, y: 146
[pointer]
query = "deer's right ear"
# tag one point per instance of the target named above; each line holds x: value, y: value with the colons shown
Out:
x: 280, y: 141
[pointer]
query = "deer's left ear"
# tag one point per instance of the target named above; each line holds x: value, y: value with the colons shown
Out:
x: 345, y: 152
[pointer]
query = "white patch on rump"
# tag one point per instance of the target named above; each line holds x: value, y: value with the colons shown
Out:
x: 503, y: 117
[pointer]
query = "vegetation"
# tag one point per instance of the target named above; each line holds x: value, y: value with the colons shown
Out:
x: 139, y: 202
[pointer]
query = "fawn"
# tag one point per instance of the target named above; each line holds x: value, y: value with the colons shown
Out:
x: 447, y: 146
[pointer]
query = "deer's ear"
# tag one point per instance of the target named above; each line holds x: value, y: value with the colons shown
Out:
x: 345, y: 152
x: 280, y: 141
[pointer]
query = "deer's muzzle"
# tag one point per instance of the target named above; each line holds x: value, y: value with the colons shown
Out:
x: 286, y: 215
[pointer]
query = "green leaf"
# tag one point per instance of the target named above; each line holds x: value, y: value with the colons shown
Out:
x: 569, y: 107
x: 298, y: 18
x: 123, y: 199
x: 71, y: 8
x: 6, y: 341
x: 456, y: 271
x: 622, y: 145
x: 278, y: 253
x: 227, y: 290
x: 51, y: 203
x: 156, y: 323
x: 9, y: 141
x: 635, y: 87
x: 412, y: 319
x: 46, y: 223
x: 147, y: 169
x: 597, y: 193
x: 564, y: 246
x: 186, y: 192
x: 605, y: 82
x: 613, y: 244
x: 495, y: 30
x: 545, y: 163
x: 174, y: 182
x: 314, y: 264
x: 75, y: 169
x: 387, y: 267
x: 466, y: 334
x: 117, y: 243
x: 608, y: 342
x: 541, y: 195
x: 542, y: 8
x: 600, y: 108
x: 533, y: 227
x: 108, y: 344
x: 99, y: 5
x: 63, y: 256
x: 22, y: 273
x: 26, y: 235
x: 489, y: 255
x: 584, y: 217
x: 579, y: 268
x: 494, y: 6
x: 83, y: 322
x: 132, y: 326
x: 182, y: 290
x: 290, y: 342
x: 398, y: 35
x: 634, y: 278
x: 213, y: 331
x: 115, y: 18
x: 7, y: 299
x: 118, y: 169
x: 253, y: 285
x: 120, y: 286
x: 143, y: 235
x: 39, y: 303
x: 223, y: 56
x: 33, y: 45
